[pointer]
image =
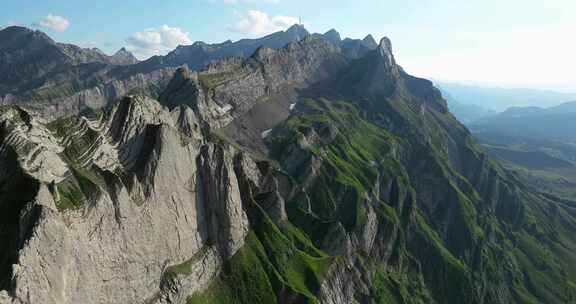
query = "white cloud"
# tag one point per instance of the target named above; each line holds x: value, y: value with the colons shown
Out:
x: 157, y: 41
x: 54, y: 22
x: 257, y: 22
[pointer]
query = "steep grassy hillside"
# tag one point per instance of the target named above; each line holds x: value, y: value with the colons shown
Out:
x: 398, y: 211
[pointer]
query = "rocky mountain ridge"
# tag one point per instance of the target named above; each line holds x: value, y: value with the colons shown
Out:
x: 296, y: 175
x: 68, y: 80
x: 26, y: 55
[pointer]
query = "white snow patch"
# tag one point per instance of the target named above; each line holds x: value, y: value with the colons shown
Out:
x: 292, y: 106
x: 266, y: 133
x: 225, y: 109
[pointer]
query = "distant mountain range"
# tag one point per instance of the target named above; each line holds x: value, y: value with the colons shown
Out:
x: 537, y: 143
x: 466, y: 113
x: 63, y: 79
x: 199, y: 54
x: 532, y: 122
x: 500, y: 99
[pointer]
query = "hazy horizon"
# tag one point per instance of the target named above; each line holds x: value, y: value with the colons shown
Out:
x: 558, y: 88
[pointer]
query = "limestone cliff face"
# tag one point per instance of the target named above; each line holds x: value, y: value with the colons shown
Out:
x: 122, y: 206
x: 58, y: 97
x: 227, y: 89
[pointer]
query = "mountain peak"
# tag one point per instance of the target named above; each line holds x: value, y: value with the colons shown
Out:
x: 369, y: 41
x: 15, y: 35
x: 332, y: 32
x: 333, y: 36
x: 386, y: 44
x: 385, y: 50
x: 298, y: 29
x: 16, y: 28
x: 122, y: 51
x: 123, y: 56
x: 375, y: 74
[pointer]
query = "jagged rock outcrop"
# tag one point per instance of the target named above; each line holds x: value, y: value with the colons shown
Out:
x: 27, y: 55
x: 230, y: 88
x: 58, y: 80
x: 356, y: 48
x: 199, y: 54
x: 123, y: 203
x: 332, y: 36
x: 123, y: 57
x: 92, y: 99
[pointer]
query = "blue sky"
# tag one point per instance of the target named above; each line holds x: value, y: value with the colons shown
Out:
x: 502, y: 42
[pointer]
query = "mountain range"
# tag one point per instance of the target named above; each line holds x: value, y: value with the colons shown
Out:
x: 532, y: 122
x: 61, y: 79
x: 313, y: 170
x: 537, y: 143
x: 500, y: 99
x: 466, y: 113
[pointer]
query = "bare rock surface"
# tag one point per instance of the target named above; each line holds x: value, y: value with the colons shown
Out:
x: 164, y: 198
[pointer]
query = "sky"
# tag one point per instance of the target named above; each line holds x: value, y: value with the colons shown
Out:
x: 508, y: 43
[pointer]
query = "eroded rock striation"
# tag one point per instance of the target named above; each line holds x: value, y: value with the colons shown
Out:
x: 129, y: 191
